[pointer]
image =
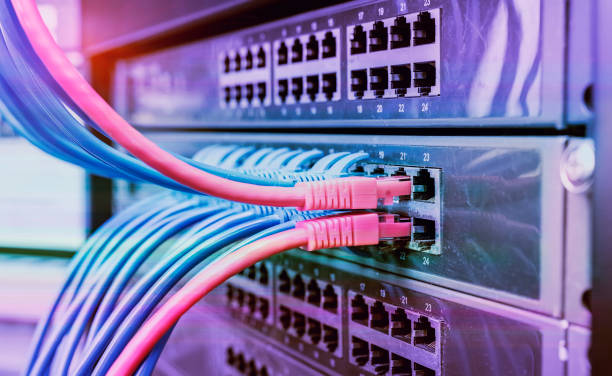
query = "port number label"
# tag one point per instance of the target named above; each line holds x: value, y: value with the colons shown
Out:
x: 381, y: 154
x: 425, y: 261
x: 381, y: 11
x: 359, y: 109
x: 330, y: 110
x: 330, y: 22
x: 332, y: 277
x: 404, y: 300
x: 403, y: 156
x: 379, y: 108
x: 362, y: 286
x: 427, y: 307
x: 400, y: 107
x: 402, y: 7
x: 426, y: 157
x: 360, y: 15
x: 383, y: 293
x: 425, y: 107
x: 316, y: 272
x: 426, y: 3
x: 313, y: 25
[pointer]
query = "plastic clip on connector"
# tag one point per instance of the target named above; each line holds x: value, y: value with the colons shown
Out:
x: 352, y: 230
x: 356, y: 192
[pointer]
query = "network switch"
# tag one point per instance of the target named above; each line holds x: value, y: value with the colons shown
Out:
x: 409, y: 64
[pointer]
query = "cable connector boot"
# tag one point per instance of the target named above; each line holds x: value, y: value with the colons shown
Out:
x: 346, y: 230
x: 356, y: 192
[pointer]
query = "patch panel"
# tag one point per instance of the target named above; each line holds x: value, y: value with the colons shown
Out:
x: 245, y: 77
x: 307, y: 68
x: 410, y: 48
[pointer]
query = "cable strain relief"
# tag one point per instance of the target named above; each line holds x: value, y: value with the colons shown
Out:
x: 355, y: 192
x: 341, y: 231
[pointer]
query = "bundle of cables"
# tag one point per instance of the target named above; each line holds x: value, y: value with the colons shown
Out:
x: 113, y: 314
x: 50, y: 103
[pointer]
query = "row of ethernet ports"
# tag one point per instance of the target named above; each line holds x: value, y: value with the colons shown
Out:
x: 312, y: 49
x: 299, y: 325
x: 315, y: 88
x: 398, y: 35
x: 381, y: 361
x: 399, y: 78
x: 249, y: 61
x: 250, y: 92
x: 247, y: 302
x: 244, y: 364
x: 406, y: 326
x: 313, y: 293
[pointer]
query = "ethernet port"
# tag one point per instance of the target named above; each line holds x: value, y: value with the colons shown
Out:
x: 285, y: 317
x: 359, y: 82
x: 424, y: 76
x: 251, y: 368
x: 380, y: 360
x: 314, y: 331
x: 400, y: 325
x: 400, y: 365
x: 251, y: 272
x: 248, y: 60
x: 358, y: 41
x: 423, y: 186
x: 423, y: 230
x: 400, y: 33
x: 240, y: 297
x: 378, y: 37
x: 230, y: 357
x: 314, y: 293
x: 360, y: 351
x: 312, y: 48
x: 297, y: 51
x: 359, y: 310
x: 261, y: 58
x: 263, y: 275
x: 250, y: 92
x: 283, y: 89
x: 237, y: 62
x: 420, y: 370
x: 229, y: 293
x: 329, y: 45
x: 263, y: 371
x: 299, y: 288
x: 299, y: 324
x: 330, y: 338
x: 330, y: 299
x: 240, y: 363
x: 297, y: 88
x: 379, y: 317
x: 379, y: 80
x: 284, y: 282
x: 312, y: 87
x: 424, y: 29
x: 264, y: 308
x: 227, y: 91
x: 424, y: 334
x: 227, y: 64
x: 238, y: 93
x: 261, y: 91
x: 329, y: 85
x: 251, y: 302
x: 400, y: 78
x: 282, y: 54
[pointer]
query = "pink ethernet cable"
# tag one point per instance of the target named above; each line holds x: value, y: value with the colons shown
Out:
x: 341, y: 193
x: 325, y: 232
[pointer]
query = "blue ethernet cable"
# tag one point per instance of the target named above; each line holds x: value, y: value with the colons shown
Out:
x: 152, y: 225
x: 122, y: 269
x: 205, y: 229
x: 148, y: 365
x: 149, y: 291
x: 81, y: 262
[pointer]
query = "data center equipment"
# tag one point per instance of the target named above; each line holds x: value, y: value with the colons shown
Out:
x: 495, y: 277
x: 471, y: 117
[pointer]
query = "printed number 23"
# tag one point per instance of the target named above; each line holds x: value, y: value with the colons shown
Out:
x: 426, y: 157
